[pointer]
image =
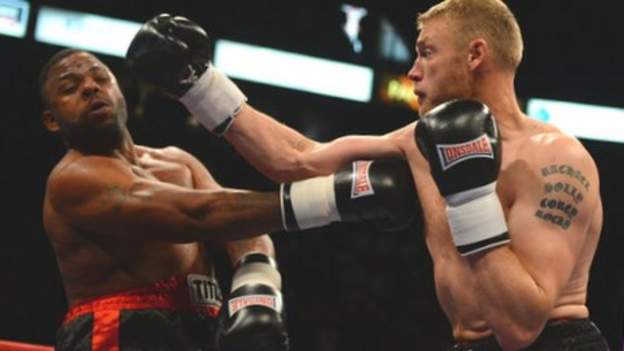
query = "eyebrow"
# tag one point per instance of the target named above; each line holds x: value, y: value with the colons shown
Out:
x: 422, y: 41
x: 70, y: 74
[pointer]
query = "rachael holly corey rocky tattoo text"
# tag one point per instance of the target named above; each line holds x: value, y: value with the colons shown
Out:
x: 555, y: 210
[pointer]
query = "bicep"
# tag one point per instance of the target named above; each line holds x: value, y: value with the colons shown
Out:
x: 549, y: 226
x: 118, y: 204
x: 546, y: 250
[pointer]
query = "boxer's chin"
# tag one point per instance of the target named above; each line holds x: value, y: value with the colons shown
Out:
x: 101, y: 140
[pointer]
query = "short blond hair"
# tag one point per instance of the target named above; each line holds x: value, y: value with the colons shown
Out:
x: 489, y: 19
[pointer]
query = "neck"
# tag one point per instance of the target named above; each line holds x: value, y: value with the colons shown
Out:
x: 498, y: 92
x: 121, y: 147
x: 127, y: 150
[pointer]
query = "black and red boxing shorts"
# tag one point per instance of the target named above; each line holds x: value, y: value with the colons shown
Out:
x: 558, y: 335
x: 178, y: 313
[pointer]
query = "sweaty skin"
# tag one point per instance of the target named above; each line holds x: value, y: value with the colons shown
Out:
x: 121, y: 216
x: 94, y: 264
x: 515, y: 289
x: 510, y: 291
x: 554, y: 259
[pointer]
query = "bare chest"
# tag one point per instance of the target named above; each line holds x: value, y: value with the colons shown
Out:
x: 164, y: 169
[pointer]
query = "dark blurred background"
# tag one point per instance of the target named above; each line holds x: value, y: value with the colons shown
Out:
x: 347, y: 287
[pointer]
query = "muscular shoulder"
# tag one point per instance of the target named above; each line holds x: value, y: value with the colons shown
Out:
x: 555, y: 147
x: 171, y: 153
x: 565, y: 170
x: 74, y: 179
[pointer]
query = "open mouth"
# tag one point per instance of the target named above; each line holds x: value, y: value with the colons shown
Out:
x: 420, y: 95
x: 97, y: 105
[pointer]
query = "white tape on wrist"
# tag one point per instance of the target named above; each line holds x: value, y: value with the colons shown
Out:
x: 257, y: 273
x: 214, y: 100
x: 478, y: 223
x: 314, y: 202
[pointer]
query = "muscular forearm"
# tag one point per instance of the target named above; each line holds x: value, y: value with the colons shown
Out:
x: 271, y: 147
x: 514, y: 305
x: 234, y: 215
x: 283, y: 154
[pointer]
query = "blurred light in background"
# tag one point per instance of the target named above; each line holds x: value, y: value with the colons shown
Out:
x: 397, y: 90
x: 85, y: 31
x: 581, y: 120
x: 294, y: 71
x: 112, y: 36
x: 14, y: 17
x: 391, y: 45
x: 354, y: 16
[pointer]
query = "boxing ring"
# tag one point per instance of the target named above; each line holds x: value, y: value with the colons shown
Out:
x: 6, y: 345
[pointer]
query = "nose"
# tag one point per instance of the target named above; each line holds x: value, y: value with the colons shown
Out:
x: 415, y: 72
x: 89, y: 87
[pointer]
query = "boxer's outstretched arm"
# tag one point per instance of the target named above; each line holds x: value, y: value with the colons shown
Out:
x: 172, y: 53
x: 520, y: 283
x: 102, y: 196
x: 283, y: 154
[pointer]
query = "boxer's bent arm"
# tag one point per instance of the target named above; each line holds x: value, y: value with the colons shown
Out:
x: 283, y: 154
x: 101, y: 196
x: 520, y: 283
x: 204, y: 180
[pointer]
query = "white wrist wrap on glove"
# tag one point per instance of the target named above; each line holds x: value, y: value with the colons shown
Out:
x: 257, y: 273
x: 474, y: 216
x: 314, y: 202
x: 213, y: 99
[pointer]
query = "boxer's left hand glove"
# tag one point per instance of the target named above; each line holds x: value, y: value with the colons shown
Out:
x: 173, y: 53
x: 461, y: 141
x: 252, y: 317
x: 380, y: 191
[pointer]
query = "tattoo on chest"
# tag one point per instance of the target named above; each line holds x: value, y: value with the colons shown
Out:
x: 558, y: 206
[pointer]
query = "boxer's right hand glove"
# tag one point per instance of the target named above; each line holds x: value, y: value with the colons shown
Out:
x: 461, y: 141
x: 252, y: 317
x: 173, y: 53
x: 380, y: 191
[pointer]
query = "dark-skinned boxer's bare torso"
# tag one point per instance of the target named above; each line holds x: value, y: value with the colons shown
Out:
x: 95, y: 264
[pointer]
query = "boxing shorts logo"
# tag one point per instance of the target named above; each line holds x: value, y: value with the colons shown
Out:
x: 452, y: 154
x: 204, y: 290
x: 361, y: 184
x: 271, y: 301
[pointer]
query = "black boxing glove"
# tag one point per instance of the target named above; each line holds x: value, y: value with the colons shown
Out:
x: 173, y: 53
x: 252, y: 317
x: 380, y: 191
x: 460, y: 139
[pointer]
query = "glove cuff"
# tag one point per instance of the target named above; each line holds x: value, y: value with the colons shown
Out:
x: 257, y: 268
x: 214, y: 100
x: 309, y: 203
x: 477, y: 223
